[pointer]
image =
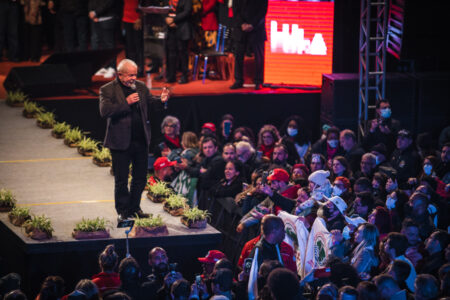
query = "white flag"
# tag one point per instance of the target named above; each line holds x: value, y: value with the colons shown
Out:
x: 318, y: 247
x: 296, y: 237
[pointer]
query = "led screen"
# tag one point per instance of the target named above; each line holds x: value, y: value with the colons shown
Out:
x: 299, y: 46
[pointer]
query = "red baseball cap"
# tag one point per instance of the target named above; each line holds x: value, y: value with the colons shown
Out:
x: 210, y: 126
x: 212, y: 257
x: 163, y: 162
x: 278, y: 175
x: 303, y: 167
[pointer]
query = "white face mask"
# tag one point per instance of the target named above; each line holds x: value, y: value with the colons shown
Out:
x: 346, y: 233
x: 333, y: 143
x: 337, y: 191
x: 390, y: 203
x: 427, y: 168
x: 292, y: 131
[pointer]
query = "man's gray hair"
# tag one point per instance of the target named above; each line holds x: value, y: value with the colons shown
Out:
x: 125, y: 64
x: 245, y: 146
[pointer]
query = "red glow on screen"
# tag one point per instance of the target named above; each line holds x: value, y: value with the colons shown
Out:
x: 299, y: 49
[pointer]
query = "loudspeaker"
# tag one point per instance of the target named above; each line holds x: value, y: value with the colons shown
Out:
x: 83, y: 64
x: 39, y: 81
x: 339, y: 99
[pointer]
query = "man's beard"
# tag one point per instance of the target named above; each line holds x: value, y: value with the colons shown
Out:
x: 278, y: 162
x: 327, y: 213
x: 161, y: 268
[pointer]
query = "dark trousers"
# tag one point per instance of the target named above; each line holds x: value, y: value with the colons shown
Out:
x: 134, y: 47
x: 75, y: 32
x: 257, y: 47
x: 32, y: 42
x: 9, y: 28
x: 177, y: 52
x: 102, y: 34
x: 128, y: 202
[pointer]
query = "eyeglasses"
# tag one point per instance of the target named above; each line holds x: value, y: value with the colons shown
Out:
x: 172, y: 126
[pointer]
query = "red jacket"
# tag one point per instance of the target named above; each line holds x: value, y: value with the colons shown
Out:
x: 106, y: 281
x: 209, y: 18
x: 286, y: 251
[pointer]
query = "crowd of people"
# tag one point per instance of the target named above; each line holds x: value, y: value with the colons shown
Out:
x: 384, y: 202
x: 190, y: 26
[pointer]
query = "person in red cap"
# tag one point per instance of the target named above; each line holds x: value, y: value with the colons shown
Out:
x: 208, y: 129
x: 209, y: 261
x: 281, y: 195
x: 300, y: 173
x: 163, y: 170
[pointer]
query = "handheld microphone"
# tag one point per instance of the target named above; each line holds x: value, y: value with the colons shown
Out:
x: 133, y: 86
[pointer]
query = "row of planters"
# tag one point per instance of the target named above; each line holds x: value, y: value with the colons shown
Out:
x: 73, y: 137
x: 176, y: 205
x: 40, y: 227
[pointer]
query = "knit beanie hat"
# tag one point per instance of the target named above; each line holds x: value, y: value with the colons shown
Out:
x: 319, y: 177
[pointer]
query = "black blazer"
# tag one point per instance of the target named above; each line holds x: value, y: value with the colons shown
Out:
x: 183, y: 21
x: 114, y: 107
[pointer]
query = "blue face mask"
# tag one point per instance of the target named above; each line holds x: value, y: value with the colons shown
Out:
x: 346, y: 233
x: 292, y: 131
x: 427, y: 168
x: 377, y: 160
x: 390, y: 203
x: 333, y: 143
x: 385, y: 113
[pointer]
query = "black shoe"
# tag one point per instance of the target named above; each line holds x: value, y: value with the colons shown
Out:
x: 236, y: 85
x: 257, y: 86
x: 183, y: 80
x: 170, y: 80
x: 141, y: 214
x: 122, y: 217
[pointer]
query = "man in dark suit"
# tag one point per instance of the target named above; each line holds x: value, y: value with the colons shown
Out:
x: 249, y: 29
x: 178, y: 36
x: 126, y: 103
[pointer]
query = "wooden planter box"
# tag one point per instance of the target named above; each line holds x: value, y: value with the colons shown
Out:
x: 83, y: 235
x: 17, y: 221
x: 156, y: 198
x: 84, y: 152
x: 149, y: 231
x: 14, y: 104
x: 57, y: 135
x: 101, y: 163
x: 44, y: 126
x: 37, y: 234
x: 196, y: 224
x: 174, y: 212
x: 29, y: 115
x: 5, y: 208
x: 70, y: 144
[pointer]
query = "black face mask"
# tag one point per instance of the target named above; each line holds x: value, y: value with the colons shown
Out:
x: 303, y: 182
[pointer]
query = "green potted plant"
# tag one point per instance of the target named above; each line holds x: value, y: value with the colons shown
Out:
x: 7, y: 200
x: 87, y: 146
x: 39, y: 227
x: 195, y: 218
x: 31, y: 109
x: 148, y: 227
x: 59, y: 129
x: 91, y: 229
x: 46, y: 120
x: 72, y: 137
x: 175, y: 205
x: 102, y: 158
x: 19, y: 215
x: 158, y: 192
x: 16, y: 98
